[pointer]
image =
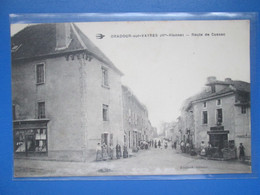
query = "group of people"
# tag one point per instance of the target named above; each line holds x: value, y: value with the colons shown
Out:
x: 107, y: 153
x: 185, y: 146
x: 208, y: 150
x: 205, y: 150
x: 159, y: 144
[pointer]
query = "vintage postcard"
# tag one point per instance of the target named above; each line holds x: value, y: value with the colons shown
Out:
x: 131, y: 98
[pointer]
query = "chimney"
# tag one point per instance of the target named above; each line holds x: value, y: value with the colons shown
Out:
x: 211, y: 79
x: 228, y: 80
x: 63, y: 35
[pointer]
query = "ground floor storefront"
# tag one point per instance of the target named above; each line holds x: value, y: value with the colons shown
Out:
x: 30, y: 137
x: 217, y: 143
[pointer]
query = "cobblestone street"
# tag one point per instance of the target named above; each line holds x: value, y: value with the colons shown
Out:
x: 145, y: 162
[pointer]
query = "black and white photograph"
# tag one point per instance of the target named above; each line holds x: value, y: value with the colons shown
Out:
x: 131, y: 98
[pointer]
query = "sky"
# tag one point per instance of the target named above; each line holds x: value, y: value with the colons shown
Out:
x: 164, y: 70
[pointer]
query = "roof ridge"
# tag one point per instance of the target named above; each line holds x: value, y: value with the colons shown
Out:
x: 78, y: 37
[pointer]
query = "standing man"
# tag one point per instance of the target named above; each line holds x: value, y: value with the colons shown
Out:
x: 182, y: 146
x: 98, y: 152
x: 159, y: 144
x: 241, y: 152
x: 118, y: 151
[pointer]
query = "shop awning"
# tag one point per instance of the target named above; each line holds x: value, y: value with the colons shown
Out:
x: 30, y: 123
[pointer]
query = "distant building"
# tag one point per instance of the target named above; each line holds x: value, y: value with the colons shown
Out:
x: 137, y: 126
x: 66, y: 93
x: 219, y: 115
x: 168, y: 130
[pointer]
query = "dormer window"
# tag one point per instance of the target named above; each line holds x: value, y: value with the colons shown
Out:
x: 15, y: 48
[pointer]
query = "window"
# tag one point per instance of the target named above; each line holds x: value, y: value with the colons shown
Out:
x: 213, y: 88
x: 41, y: 140
x: 104, y: 77
x: 243, y: 109
x: 219, y: 117
x: 105, y: 112
x: 30, y: 140
x: 40, y: 73
x: 204, y: 117
x: 204, y: 104
x: 14, y: 113
x: 41, y: 109
x: 218, y: 102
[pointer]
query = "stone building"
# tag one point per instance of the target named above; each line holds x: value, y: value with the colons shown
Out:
x: 220, y: 114
x: 137, y: 126
x: 66, y: 93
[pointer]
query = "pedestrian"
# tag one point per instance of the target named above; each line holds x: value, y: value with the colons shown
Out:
x: 125, y: 152
x: 146, y: 146
x: 98, y: 152
x: 202, y: 149
x: 187, y: 147
x: 165, y: 145
x: 104, y: 152
x: 182, y: 146
x: 118, y: 151
x: 209, y: 146
x: 241, y: 152
x: 175, y: 145
x: 155, y: 144
x: 159, y: 144
x: 111, y: 151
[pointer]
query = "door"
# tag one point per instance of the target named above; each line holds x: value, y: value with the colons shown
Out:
x: 218, y: 140
x: 104, y: 138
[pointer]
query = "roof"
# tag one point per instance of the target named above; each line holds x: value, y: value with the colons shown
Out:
x: 40, y: 40
x: 127, y: 89
x: 231, y: 87
x: 95, y: 50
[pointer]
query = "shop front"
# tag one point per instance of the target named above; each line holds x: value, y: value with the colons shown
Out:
x: 221, y: 147
x: 30, y: 137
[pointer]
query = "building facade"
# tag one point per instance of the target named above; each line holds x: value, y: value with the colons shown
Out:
x: 137, y: 126
x: 219, y: 115
x: 66, y: 93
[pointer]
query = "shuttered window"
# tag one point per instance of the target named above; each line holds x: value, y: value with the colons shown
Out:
x: 40, y: 75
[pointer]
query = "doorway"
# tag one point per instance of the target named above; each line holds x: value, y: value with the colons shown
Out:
x: 218, y: 140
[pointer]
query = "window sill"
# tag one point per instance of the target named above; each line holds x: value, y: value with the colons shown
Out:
x: 39, y: 83
x: 105, y: 86
x: 41, y: 117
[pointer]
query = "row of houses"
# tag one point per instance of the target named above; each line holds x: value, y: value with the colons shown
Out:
x: 67, y: 96
x: 220, y: 115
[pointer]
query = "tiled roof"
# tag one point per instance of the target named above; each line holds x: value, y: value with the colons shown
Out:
x: 232, y: 86
x: 40, y: 40
x: 95, y: 50
x: 129, y: 91
x: 241, y: 86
